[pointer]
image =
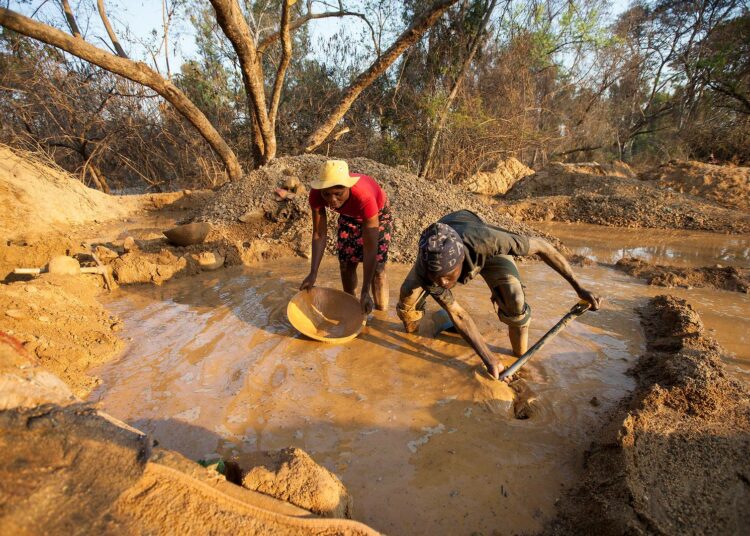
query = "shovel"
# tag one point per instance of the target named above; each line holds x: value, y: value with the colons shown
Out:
x: 577, y: 310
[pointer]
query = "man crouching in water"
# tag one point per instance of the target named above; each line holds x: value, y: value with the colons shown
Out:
x: 457, y: 248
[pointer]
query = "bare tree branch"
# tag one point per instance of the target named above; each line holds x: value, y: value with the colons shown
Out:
x: 304, y: 19
x: 135, y: 71
x: 110, y: 31
x: 71, y: 19
x: 410, y: 36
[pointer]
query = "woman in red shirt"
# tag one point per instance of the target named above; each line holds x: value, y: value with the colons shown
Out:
x: 364, y: 230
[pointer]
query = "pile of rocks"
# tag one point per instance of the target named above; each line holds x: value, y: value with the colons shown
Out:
x: 272, y: 202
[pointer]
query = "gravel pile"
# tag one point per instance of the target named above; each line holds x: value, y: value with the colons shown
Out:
x: 254, y: 203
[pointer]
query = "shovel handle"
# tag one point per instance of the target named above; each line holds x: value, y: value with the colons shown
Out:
x: 577, y: 310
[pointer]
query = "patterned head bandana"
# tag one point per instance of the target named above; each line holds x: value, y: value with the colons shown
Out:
x: 440, y: 248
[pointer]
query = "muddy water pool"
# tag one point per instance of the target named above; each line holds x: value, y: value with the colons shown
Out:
x: 660, y: 246
x: 726, y: 314
x: 422, y: 440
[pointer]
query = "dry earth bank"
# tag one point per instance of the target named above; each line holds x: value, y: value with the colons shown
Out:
x: 598, y: 195
x: 719, y: 277
x: 673, y: 459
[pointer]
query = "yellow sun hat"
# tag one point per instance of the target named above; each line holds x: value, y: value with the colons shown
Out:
x: 334, y: 173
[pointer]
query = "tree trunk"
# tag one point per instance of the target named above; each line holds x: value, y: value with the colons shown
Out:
x: 135, y: 71
x: 286, y: 57
x: 233, y: 24
x: 99, y: 179
x: 443, y: 117
x: 410, y: 36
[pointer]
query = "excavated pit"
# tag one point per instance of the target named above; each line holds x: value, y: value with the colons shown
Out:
x: 421, y: 438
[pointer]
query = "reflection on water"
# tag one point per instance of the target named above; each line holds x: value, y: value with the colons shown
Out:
x: 660, y: 246
x: 425, y: 444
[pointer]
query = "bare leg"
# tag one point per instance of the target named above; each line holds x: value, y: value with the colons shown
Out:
x: 349, y: 277
x: 519, y: 339
x: 380, y: 288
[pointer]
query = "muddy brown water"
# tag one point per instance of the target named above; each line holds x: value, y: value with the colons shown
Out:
x: 660, y: 246
x: 424, y: 443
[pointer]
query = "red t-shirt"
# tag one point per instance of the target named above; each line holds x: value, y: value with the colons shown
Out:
x: 366, y: 199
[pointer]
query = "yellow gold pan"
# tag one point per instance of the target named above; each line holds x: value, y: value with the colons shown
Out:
x: 326, y: 315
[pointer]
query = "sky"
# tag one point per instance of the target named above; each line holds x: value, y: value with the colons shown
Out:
x: 140, y: 21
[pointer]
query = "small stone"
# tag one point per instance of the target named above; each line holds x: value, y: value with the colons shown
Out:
x: 105, y: 254
x: 291, y: 183
x: 31, y: 289
x: 209, y: 260
x: 44, y: 319
x: 251, y: 215
x: 63, y: 265
x: 129, y: 244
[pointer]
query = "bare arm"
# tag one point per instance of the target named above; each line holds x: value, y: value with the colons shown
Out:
x: 319, y: 236
x: 369, y: 260
x: 555, y: 260
x: 468, y: 329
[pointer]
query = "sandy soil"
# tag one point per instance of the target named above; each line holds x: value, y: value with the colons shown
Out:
x: 57, y: 454
x: 36, y: 196
x: 728, y: 186
x: 59, y: 321
x: 576, y: 193
x: 677, y: 448
x: 719, y: 277
x: 673, y: 459
x: 499, y: 178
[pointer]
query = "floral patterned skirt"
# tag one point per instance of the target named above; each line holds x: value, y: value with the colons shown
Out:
x: 350, y: 243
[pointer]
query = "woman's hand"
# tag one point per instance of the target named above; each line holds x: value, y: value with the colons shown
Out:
x: 309, y: 281
x: 366, y: 302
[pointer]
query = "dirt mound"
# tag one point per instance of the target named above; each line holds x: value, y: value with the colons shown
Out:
x: 69, y: 469
x: 151, y: 259
x: 60, y: 322
x: 291, y: 475
x: 573, y: 193
x: 36, y: 195
x: 674, y: 459
x: 416, y: 203
x: 724, y: 278
x: 498, y: 179
x: 728, y: 186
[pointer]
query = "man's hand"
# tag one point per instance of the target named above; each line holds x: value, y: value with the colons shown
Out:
x: 494, y: 369
x: 366, y: 302
x: 309, y: 282
x: 590, y: 297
